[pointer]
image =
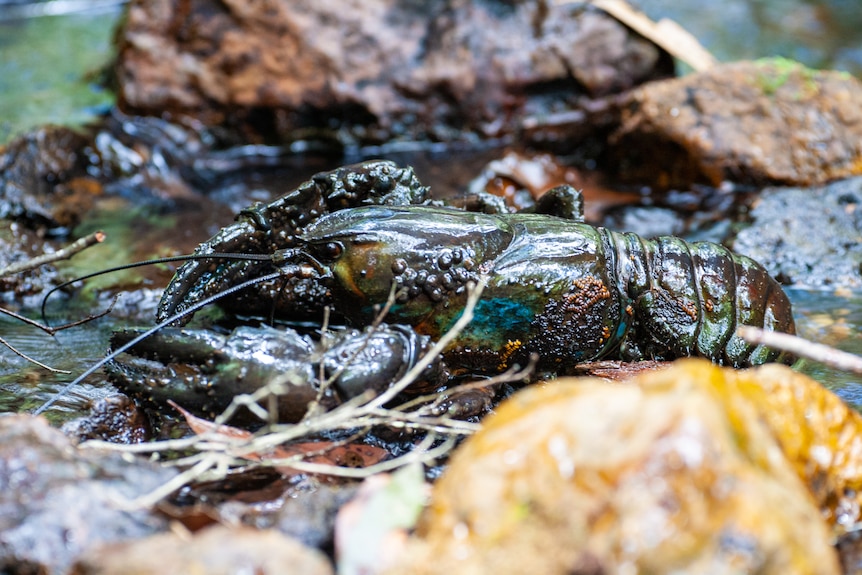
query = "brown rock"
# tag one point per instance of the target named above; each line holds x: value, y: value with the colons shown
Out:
x: 585, y: 476
x: 115, y: 418
x: 213, y: 551
x: 35, y: 167
x: 770, y: 121
x: 373, y: 70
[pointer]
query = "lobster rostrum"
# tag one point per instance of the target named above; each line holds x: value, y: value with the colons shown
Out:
x: 559, y: 288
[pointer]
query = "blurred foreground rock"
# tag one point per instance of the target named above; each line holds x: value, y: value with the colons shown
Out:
x: 368, y: 72
x: 57, y: 501
x: 692, y: 469
x: 214, y: 551
x: 769, y: 121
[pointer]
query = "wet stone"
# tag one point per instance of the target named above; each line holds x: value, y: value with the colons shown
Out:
x: 58, y: 501
x: 690, y: 469
x: 116, y: 419
x: 801, y: 127
x: 33, y: 167
x: 310, y: 517
x: 443, y: 70
x: 781, y: 237
x: 645, y: 221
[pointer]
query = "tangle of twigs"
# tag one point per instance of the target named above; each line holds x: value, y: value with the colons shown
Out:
x: 215, y: 454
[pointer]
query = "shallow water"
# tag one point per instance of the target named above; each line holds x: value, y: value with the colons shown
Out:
x: 836, y: 320
x: 818, y: 33
x: 51, y: 66
x: 24, y: 386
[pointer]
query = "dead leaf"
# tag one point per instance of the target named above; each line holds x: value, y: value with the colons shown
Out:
x: 322, y: 452
x: 665, y: 33
x: 202, y: 426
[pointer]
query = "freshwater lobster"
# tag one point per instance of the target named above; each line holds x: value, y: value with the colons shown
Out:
x: 556, y: 287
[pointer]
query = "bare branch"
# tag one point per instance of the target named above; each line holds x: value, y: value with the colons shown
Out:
x: 420, y: 454
x: 800, y: 347
x: 65, y: 253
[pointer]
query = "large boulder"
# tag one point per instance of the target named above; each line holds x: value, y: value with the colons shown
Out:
x: 370, y: 71
x: 808, y: 236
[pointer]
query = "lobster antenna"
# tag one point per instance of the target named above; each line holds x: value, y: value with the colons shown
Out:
x: 186, y: 257
x: 125, y: 347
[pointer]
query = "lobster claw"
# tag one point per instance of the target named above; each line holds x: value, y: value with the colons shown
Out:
x: 198, y: 279
x: 203, y: 371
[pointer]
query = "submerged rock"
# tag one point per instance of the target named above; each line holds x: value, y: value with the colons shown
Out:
x: 115, y: 418
x: 368, y: 72
x: 693, y: 469
x: 808, y: 236
x: 58, y: 501
x: 769, y: 121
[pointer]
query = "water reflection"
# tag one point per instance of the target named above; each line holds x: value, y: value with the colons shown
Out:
x: 818, y: 33
x: 24, y: 386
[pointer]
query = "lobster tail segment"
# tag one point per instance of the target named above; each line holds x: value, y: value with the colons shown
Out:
x: 760, y: 302
x: 689, y: 299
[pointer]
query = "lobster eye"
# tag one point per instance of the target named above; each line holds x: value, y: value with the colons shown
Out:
x: 331, y: 250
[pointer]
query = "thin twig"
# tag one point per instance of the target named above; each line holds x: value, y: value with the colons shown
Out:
x: 275, y: 387
x: 419, y: 454
x: 800, y: 347
x: 65, y: 253
x: 51, y: 330
x: 327, y: 383
x: 151, y: 447
x: 415, y: 420
x: 178, y: 481
x: 30, y: 359
x: 475, y: 293
x: 512, y: 375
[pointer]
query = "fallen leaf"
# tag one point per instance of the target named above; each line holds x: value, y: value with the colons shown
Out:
x: 371, y: 530
x: 321, y: 452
